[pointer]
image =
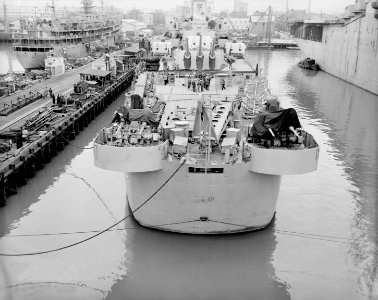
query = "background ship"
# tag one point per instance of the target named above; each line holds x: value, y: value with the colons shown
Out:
x: 70, y: 36
x: 346, y: 48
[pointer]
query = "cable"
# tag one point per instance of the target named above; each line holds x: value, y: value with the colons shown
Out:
x: 69, y: 143
x: 102, y: 231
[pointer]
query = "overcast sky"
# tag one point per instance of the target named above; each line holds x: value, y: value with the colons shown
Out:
x: 331, y: 6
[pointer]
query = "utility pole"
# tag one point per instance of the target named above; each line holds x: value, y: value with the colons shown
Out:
x: 5, y: 17
x: 269, y: 27
x: 309, y: 9
x: 287, y: 15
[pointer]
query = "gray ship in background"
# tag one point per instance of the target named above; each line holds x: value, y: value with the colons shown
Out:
x: 72, y: 35
x: 346, y: 47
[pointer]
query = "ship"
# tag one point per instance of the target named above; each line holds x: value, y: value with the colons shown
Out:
x: 72, y: 35
x: 203, y: 143
x: 344, y: 47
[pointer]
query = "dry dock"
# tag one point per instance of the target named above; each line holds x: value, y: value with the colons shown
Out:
x: 54, y: 128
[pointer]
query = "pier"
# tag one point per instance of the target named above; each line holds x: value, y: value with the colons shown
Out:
x: 20, y: 164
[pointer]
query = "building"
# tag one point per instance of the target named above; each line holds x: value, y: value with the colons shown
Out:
x: 183, y: 12
x: 130, y: 27
x: 240, y: 8
x: 148, y: 19
x: 54, y: 65
x: 258, y: 24
x: 105, y: 63
x: 171, y: 22
x: 237, y: 23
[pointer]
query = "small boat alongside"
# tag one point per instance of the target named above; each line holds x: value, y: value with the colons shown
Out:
x: 309, y: 63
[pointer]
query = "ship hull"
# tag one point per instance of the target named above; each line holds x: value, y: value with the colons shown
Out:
x: 236, y: 200
x: 36, y: 60
x: 348, y: 52
x: 31, y: 60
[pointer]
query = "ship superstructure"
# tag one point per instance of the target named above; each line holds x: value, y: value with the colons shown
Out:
x: 346, y: 47
x: 70, y: 36
x: 203, y: 143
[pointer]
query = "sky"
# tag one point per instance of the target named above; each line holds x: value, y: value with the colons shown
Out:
x: 326, y: 6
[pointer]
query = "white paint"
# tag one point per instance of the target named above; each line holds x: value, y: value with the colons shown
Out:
x: 245, y: 200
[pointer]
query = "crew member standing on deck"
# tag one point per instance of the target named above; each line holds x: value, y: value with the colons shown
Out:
x: 223, y: 84
x: 165, y: 78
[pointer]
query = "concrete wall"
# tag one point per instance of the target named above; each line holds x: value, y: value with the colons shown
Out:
x: 348, y: 52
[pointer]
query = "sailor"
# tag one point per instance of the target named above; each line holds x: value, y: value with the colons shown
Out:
x: 207, y: 82
x: 121, y: 115
x: 223, y: 84
x: 165, y: 78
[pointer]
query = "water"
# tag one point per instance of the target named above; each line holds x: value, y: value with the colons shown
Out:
x: 321, y: 245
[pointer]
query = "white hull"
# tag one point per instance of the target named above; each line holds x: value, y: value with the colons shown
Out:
x: 36, y: 60
x: 234, y: 201
x: 31, y: 60
x: 348, y: 52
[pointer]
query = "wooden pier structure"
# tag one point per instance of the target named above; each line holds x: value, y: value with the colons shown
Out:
x: 22, y: 163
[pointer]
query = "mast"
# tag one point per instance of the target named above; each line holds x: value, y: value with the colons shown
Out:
x: 53, y: 7
x: 309, y: 9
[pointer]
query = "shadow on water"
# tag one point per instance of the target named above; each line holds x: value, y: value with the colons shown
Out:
x: 19, y: 204
x: 175, y: 266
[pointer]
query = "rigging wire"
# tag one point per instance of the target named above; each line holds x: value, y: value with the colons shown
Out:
x: 102, y: 231
x: 73, y: 145
x: 328, y: 238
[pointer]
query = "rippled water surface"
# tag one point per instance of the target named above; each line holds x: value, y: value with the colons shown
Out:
x: 321, y: 245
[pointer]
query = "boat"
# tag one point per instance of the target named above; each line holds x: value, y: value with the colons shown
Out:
x: 69, y: 36
x: 204, y: 158
x: 260, y: 46
x: 344, y: 47
x: 309, y: 63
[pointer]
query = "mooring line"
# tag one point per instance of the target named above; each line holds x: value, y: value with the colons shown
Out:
x: 102, y: 231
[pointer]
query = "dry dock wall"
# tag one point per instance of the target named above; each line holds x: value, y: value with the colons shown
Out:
x: 349, y: 52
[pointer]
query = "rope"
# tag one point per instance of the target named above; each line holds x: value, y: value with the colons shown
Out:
x: 102, y: 231
x: 69, y: 143
x: 320, y: 237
